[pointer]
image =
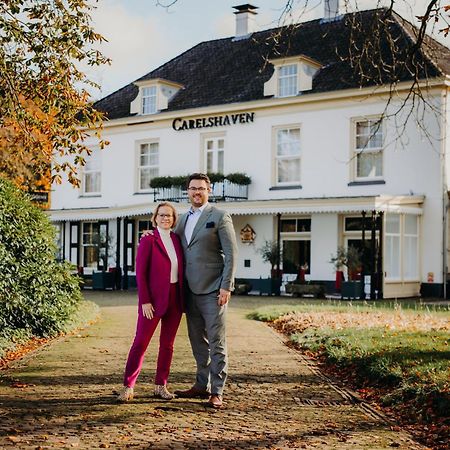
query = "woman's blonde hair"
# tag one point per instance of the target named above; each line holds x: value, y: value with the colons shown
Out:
x: 169, y: 205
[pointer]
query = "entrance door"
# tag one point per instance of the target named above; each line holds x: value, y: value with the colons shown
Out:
x: 296, y: 254
x: 367, y: 252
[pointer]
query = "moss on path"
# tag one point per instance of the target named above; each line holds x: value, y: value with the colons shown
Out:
x: 63, y: 395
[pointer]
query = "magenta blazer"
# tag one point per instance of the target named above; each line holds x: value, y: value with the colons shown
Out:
x: 153, y: 272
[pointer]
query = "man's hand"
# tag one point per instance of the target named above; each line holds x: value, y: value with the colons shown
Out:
x: 147, y: 233
x: 223, y: 297
x: 148, y: 310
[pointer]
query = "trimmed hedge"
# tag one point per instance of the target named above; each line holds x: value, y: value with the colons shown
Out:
x: 37, y: 294
x: 181, y: 181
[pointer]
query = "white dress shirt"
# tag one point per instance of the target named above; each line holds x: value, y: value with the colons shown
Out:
x: 170, y: 249
x: 193, y: 216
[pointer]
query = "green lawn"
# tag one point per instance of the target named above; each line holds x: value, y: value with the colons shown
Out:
x: 403, y: 353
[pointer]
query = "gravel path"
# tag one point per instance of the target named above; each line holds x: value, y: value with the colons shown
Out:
x: 62, y: 396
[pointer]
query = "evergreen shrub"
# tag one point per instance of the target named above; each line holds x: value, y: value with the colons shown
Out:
x: 37, y: 294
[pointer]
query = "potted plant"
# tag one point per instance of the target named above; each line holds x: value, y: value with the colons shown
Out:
x: 351, y: 259
x: 239, y: 178
x: 270, y: 252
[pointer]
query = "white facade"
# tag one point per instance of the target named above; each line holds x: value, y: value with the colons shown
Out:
x: 411, y: 182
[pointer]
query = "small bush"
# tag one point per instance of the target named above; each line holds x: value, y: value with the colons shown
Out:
x: 37, y: 294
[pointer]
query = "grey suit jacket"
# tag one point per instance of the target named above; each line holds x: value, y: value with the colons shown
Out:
x: 210, y: 256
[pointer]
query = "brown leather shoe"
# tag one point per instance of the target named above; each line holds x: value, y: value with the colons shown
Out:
x: 215, y: 401
x: 193, y: 392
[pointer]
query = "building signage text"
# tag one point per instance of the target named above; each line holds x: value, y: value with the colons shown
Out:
x: 212, y: 121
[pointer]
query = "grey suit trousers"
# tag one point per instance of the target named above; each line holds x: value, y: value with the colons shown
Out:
x: 206, y: 328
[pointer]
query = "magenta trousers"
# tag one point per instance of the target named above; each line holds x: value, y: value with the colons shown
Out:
x: 144, y: 332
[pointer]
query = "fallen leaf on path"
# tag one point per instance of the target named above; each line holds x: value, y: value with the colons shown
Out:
x: 19, y: 385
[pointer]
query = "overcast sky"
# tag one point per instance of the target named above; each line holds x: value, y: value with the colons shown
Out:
x: 142, y: 36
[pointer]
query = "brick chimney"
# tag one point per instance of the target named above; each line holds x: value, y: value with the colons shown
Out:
x: 245, y: 24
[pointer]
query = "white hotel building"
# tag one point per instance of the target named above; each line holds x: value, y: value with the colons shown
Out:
x: 293, y: 117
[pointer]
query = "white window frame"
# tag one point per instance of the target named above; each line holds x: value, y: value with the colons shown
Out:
x: 216, y: 154
x: 402, y: 236
x: 147, y: 225
x: 87, y: 229
x: 405, y: 256
x: 140, y: 167
x: 277, y: 158
x: 149, y: 99
x: 93, y: 167
x: 369, y: 148
x: 356, y: 235
x: 59, y: 239
x: 287, y: 83
x: 295, y: 236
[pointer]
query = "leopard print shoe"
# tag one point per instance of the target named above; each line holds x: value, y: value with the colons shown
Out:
x: 162, y: 392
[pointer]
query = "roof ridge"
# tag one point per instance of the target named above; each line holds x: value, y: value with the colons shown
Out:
x: 222, y: 71
x: 426, y: 48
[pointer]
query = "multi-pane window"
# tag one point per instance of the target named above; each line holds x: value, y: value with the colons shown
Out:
x: 148, y: 165
x: 149, y: 100
x: 296, y: 245
x: 392, y: 250
x: 287, y: 80
x: 369, y: 148
x: 215, y: 152
x: 59, y: 231
x: 411, y: 248
x: 91, y: 237
x: 402, y: 247
x: 92, y: 174
x: 295, y: 225
x: 94, y: 244
x: 288, y: 156
x: 144, y: 225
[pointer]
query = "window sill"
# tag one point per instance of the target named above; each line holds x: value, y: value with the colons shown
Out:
x: 282, y: 188
x: 366, y: 183
x: 90, y: 195
x: 144, y: 193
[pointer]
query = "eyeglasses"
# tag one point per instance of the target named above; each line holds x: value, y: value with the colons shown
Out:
x: 197, y: 189
x: 165, y: 216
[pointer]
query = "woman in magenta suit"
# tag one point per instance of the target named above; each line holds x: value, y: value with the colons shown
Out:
x: 159, y: 274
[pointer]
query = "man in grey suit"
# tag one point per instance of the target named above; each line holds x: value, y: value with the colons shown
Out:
x: 210, y: 250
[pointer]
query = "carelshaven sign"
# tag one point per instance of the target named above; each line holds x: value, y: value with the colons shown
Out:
x: 180, y: 124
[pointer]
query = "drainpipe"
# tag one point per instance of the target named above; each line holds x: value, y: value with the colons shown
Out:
x: 445, y: 202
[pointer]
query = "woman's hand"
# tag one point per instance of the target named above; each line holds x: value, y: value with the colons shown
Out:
x: 147, y: 233
x: 148, y: 310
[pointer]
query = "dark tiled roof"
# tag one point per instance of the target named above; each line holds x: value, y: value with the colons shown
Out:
x: 224, y: 71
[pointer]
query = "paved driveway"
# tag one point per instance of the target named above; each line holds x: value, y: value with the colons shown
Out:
x: 62, y: 395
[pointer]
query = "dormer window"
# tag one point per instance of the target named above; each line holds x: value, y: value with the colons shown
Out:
x: 149, y: 100
x: 287, y: 80
x: 154, y: 96
x: 292, y: 76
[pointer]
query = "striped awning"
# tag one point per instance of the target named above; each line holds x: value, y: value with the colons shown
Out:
x: 410, y: 204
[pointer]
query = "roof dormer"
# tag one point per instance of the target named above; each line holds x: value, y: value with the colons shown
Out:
x: 292, y: 76
x: 154, y: 95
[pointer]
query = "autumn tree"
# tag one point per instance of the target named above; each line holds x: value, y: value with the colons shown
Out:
x: 45, y: 112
